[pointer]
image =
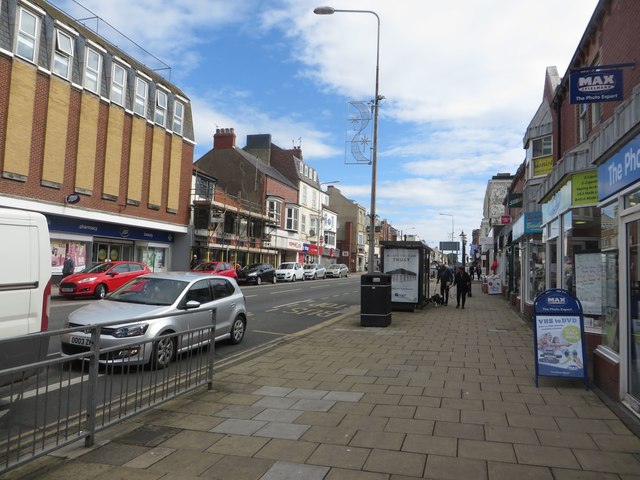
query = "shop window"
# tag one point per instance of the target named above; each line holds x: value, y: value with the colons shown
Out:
x: 633, y: 292
x: 536, y: 269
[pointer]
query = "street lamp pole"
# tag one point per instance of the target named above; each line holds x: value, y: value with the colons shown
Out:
x: 463, y: 237
x: 374, y: 154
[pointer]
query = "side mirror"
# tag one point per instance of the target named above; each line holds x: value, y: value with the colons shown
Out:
x: 191, y: 304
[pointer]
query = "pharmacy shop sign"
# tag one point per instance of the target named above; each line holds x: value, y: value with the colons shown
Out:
x: 559, y: 343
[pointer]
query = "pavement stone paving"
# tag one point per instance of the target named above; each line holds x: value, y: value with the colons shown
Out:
x: 441, y: 393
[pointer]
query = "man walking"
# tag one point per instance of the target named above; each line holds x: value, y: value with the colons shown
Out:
x: 445, y: 277
x: 462, y: 282
x: 68, y: 267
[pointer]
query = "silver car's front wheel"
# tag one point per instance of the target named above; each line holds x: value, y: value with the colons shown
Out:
x: 237, y: 330
x: 163, y: 352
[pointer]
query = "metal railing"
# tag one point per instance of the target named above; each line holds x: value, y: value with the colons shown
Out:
x: 62, y: 399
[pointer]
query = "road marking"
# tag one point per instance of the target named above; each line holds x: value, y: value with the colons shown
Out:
x: 249, y: 296
x: 287, y: 304
x: 269, y: 333
x: 47, y: 388
x: 285, y: 291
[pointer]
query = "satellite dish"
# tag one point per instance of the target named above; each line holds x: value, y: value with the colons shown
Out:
x: 72, y: 198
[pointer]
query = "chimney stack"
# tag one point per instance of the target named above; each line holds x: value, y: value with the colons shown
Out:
x: 224, y: 138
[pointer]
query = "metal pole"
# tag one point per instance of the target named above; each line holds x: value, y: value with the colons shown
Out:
x: 374, y: 155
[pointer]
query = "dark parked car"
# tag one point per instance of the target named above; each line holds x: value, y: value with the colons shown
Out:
x: 100, y: 279
x: 257, y: 273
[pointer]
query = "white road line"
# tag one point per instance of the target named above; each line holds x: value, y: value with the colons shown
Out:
x: 292, y: 303
x: 48, y: 388
x: 270, y: 333
x: 285, y: 291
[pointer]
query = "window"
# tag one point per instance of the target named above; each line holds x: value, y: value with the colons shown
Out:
x: 62, y: 54
x: 306, y: 171
x: 221, y: 288
x: 200, y: 292
x: 274, y: 211
x: 314, y: 199
x: 582, y: 121
x: 329, y: 238
x: 118, y: 82
x: 27, y: 35
x: 542, y: 147
x: 140, y: 101
x: 304, y: 194
x: 161, y: 107
x: 178, y: 117
x: 301, y: 168
x: 205, y: 187
x: 292, y: 218
x: 92, y: 65
x: 303, y: 223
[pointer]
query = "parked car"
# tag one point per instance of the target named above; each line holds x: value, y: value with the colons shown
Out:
x: 337, y: 270
x: 257, y: 273
x: 186, y: 298
x: 290, y: 272
x: 101, y: 278
x: 216, y: 268
x: 313, y: 271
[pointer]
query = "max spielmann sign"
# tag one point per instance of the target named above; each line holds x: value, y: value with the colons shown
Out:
x: 596, y: 86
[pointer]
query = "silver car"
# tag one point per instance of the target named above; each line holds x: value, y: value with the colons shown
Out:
x: 312, y: 271
x: 178, y: 301
x: 337, y: 270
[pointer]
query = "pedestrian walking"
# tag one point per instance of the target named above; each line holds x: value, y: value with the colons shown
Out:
x: 445, y: 278
x: 462, y: 281
x: 68, y: 267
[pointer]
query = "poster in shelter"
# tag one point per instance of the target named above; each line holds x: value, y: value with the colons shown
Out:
x: 403, y: 265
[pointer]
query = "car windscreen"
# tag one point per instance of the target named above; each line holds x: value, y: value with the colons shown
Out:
x: 98, y: 268
x: 151, y: 291
x: 309, y: 267
x: 204, y: 266
x: 286, y: 266
x: 251, y: 267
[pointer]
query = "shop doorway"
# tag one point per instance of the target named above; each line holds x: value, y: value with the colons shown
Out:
x: 112, y: 252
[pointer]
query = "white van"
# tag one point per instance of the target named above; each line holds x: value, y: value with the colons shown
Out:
x: 25, y: 286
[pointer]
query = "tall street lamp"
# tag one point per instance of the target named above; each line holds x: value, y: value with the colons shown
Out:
x: 463, y: 237
x: 374, y: 154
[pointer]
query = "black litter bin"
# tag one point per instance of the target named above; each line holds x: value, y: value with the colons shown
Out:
x: 375, y: 300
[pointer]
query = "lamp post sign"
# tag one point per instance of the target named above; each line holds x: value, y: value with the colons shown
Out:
x: 559, y: 342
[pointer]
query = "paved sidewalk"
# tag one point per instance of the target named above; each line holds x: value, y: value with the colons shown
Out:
x: 442, y: 393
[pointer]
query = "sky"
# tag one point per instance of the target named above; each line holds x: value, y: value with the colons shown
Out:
x: 461, y: 81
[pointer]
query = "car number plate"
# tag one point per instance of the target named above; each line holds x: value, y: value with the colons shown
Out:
x: 66, y: 290
x: 81, y: 341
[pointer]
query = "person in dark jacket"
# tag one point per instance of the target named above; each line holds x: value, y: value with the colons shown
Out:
x: 445, y: 278
x: 68, y: 267
x: 462, y: 282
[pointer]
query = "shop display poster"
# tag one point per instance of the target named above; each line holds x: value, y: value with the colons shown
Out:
x: 559, y: 342
x: 403, y: 264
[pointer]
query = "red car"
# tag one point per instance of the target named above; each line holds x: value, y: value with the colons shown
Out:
x: 217, y: 268
x: 100, y: 279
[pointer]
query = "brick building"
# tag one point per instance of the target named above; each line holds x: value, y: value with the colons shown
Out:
x: 92, y: 138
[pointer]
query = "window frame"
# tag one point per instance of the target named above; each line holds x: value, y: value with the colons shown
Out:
x: 140, y: 100
x: 178, y: 120
x: 274, y: 206
x: 90, y: 69
x: 22, y: 35
x: 292, y: 222
x: 122, y: 86
x: 62, y: 57
x: 160, y: 111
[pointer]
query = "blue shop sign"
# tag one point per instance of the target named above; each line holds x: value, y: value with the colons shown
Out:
x: 621, y: 170
x: 103, y: 229
x: 596, y: 86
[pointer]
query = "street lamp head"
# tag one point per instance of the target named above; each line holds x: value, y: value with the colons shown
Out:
x: 324, y: 10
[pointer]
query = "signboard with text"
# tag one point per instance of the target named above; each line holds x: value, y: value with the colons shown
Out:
x: 559, y: 342
x: 595, y: 86
x: 621, y: 170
